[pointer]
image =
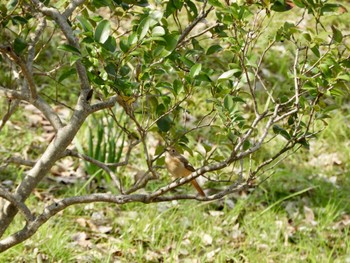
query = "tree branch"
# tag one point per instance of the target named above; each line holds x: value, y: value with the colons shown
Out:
x: 12, y: 106
x: 34, y: 40
x: 19, y: 205
x: 13, y: 94
x: 110, y: 102
x: 56, y: 207
x: 49, y: 113
x: 71, y: 7
x: 7, y: 50
x: 189, y: 28
x: 99, y: 164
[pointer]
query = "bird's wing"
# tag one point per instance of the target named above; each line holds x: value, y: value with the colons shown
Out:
x: 187, y: 165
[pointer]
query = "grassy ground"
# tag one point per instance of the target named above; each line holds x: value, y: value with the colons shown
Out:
x: 300, y: 214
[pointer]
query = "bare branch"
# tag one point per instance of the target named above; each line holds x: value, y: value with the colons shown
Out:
x: 56, y: 207
x: 145, y: 178
x: 12, y: 106
x: 296, y: 79
x: 109, y: 103
x: 71, y: 7
x: 254, y: 148
x: 49, y: 113
x: 13, y: 94
x: 34, y: 39
x: 19, y: 205
x: 204, y: 13
x: 200, y: 33
x: 99, y: 164
x: 20, y: 161
x: 25, y: 71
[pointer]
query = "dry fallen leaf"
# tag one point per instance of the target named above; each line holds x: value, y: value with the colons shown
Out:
x: 207, y: 239
x: 343, y: 223
x: 309, y: 216
x: 211, y: 255
x: 82, y: 239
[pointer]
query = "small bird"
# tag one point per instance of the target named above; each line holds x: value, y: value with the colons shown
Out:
x: 178, y: 166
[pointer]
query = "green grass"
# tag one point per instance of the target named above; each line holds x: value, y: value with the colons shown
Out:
x: 270, y: 225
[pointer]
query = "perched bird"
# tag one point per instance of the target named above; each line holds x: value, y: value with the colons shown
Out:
x: 178, y: 166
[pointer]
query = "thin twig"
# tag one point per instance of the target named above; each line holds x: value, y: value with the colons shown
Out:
x: 99, y: 164
x: 189, y: 28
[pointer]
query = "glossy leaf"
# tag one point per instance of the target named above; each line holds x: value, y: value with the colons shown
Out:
x: 85, y: 24
x: 143, y: 28
x: 228, y: 74
x: 195, y: 70
x: 280, y: 131
x: 214, y: 49
x: 69, y: 48
x: 102, y: 31
x: 164, y: 124
x: 19, y: 45
x: 65, y: 74
x: 158, y: 31
x: 110, y: 44
x: 337, y: 35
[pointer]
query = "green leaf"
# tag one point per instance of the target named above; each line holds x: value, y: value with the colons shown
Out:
x: 203, y: 77
x: 337, y: 35
x: 110, y: 69
x: 304, y: 143
x: 228, y: 74
x: 102, y: 31
x: 178, y: 3
x: 85, y: 24
x: 307, y: 36
x: 216, y: 3
x: 343, y: 76
x: 214, y: 49
x: 110, y: 44
x: 132, y: 39
x: 69, y: 48
x: 281, y: 6
x: 316, y: 51
x: 333, y: 9
x: 124, y: 45
x: 191, y: 8
x: 164, y: 124
x: 177, y: 86
x: 280, y: 131
x: 65, y: 74
x: 18, y: 20
x: 228, y: 103
x: 171, y: 42
x: 19, y: 45
x: 195, y: 70
x: 158, y: 31
x: 11, y: 4
x: 143, y: 27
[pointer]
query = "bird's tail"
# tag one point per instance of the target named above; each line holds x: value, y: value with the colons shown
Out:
x: 198, y: 188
